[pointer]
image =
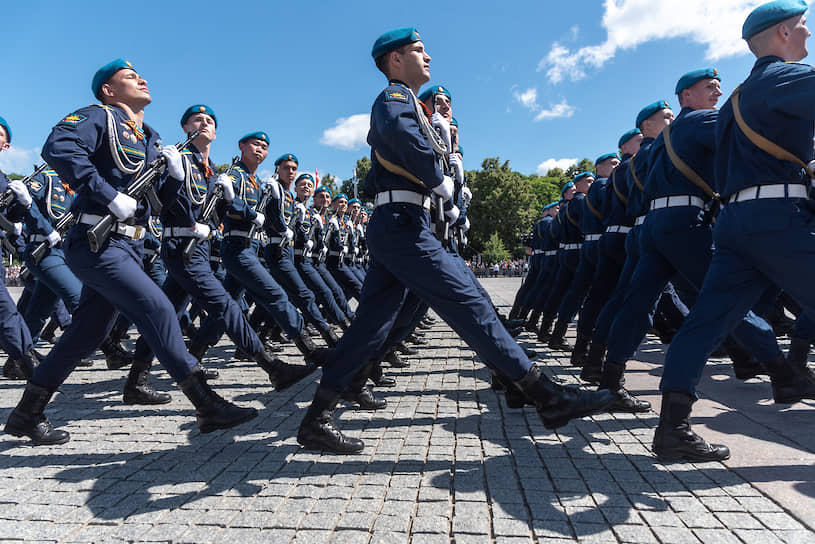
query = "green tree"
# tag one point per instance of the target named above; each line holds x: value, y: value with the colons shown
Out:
x: 12, y: 177
x: 363, y: 166
x: 503, y: 204
x: 332, y: 182
x: 582, y: 166
x: 494, y: 250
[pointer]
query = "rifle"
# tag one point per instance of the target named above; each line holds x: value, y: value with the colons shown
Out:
x: 65, y: 222
x: 207, y: 213
x: 329, y: 230
x: 310, y: 234
x: 262, y: 204
x: 7, y: 198
x: 294, y: 221
x: 138, y: 188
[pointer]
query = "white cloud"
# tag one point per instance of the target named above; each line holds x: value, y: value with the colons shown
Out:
x: 528, y: 98
x: 555, y: 111
x: 629, y: 23
x: 548, y: 164
x: 19, y: 161
x: 349, y: 133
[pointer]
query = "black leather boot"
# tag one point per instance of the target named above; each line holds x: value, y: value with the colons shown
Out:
x: 28, y: 418
x: 612, y: 380
x: 514, y: 397
x: 556, y: 404
x: 282, y: 375
x: 556, y: 341
x: 360, y: 394
x: 798, y: 356
x: 496, y: 383
x: 116, y: 356
x: 531, y: 324
x: 137, y: 391
x: 674, y: 440
x: 48, y: 332
x: 514, y: 311
x: 581, y: 350
x: 330, y: 337
x: 744, y: 367
x: 317, y: 430
x: 405, y: 349
x: 212, y: 412
x: 544, y: 331
x: 345, y: 324
x: 593, y: 367
x: 198, y: 350
x: 392, y: 358
x: 241, y: 355
x: 22, y: 368
x: 789, y: 386
x: 311, y: 353
x: 413, y: 338
x: 378, y: 377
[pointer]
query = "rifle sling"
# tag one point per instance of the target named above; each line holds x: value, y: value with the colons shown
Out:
x: 685, y: 170
x: 398, y: 170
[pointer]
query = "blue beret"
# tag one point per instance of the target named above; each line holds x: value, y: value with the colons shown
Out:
x: 650, y: 110
x: 339, y: 195
x: 286, y: 157
x: 583, y: 175
x: 394, y: 39
x: 105, y: 72
x: 565, y: 188
x: 461, y: 149
x: 627, y: 135
x: 769, y: 14
x: 606, y: 156
x: 453, y: 121
x: 355, y: 201
x: 198, y: 108
x: 322, y: 189
x: 434, y: 90
x: 695, y: 76
x: 308, y: 176
x: 259, y: 135
x: 4, y: 124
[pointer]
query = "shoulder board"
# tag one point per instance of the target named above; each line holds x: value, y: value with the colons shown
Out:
x: 186, y: 151
x: 73, y: 119
x: 396, y: 95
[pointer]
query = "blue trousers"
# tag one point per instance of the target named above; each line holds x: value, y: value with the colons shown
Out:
x: 196, y: 280
x: 283, y: 270
x: 612, y: 305
x: 321, y: 291
x: 672, y: 241
x: 543, y: 285
x: 113, y: 280
x: 610, y: 262
x: 242, y: 264
x: 527, y: 287
x: 15, y: 338
x: 568, y: 260
x: 581, y: 282
x: 336, y: 290
x: 406, y: 258
x: 55, y: 281
x: 758, y: 244
x: 350, y: 284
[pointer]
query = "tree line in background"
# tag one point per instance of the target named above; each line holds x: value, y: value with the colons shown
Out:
x: 505, y: 203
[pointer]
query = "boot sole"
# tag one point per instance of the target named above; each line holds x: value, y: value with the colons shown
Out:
x: 145, y: 402
x: 204, y: 429
x: 19, y: 433
x: 667, y: 458
x: 317, y: 446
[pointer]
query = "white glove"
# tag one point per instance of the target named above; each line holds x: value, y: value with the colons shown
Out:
x: 18, y: 229
x: 458, y: 168
x: 53, y: 239
x: 466, y: 195
x: 309, y: 245
x: 323, y: 252
x: 289, y: 234
x: 259, y: 219
x: 229, y: 190
x: 445, y: 188
x: 356, y: 251
x: 20, y: 192
x: 451, y: 214
x: 466, y: 226
x: 201, y: 231
x: 442, y: 126
x: 174, y: 165
x: 123, y: 206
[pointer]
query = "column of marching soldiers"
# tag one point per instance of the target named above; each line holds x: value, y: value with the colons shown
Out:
x: 628, y: 249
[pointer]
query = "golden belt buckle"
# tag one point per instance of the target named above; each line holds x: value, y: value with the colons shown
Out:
x: 138, y: 234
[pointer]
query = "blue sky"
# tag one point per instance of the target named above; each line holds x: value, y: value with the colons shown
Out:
x: 533, y: 82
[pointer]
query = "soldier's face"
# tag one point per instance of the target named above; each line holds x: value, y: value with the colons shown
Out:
x: 443, y: 106
x: 702, y: 95
x: 322, y: 199
x: 604, y: 168
x: 414, y: 65
x: 798, y: 34
x: 340, y: 205
x: 304, y: 189
x: 569, y: 194
x: 254, y: 150
x: 203, y: 123
x: 128, y: 87
x: 632, y: 145
x: 286, y: 171
x: 584, y: 185
x: 3, y: 138
x: 353, y: 209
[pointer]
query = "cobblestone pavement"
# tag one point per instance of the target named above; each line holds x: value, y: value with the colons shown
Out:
x: 445, y: 462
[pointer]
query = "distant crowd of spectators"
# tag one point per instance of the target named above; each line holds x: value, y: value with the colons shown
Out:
x: 505, y: 269
x: 13, y: 275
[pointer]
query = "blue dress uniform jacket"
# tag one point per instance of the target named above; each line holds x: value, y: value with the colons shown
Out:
x: 408, y: 261
x: 759, y: 241
x: 98, y: 151
x: 593, y: 205
x: 183, y: 199
x: 614, y: 205
x: 636, y: 178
